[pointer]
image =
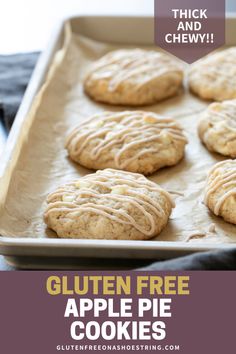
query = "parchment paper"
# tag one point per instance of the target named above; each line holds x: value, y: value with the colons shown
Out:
x: 43, y: 163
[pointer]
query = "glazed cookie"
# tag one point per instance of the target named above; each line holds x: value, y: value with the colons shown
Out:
x: 217, y: 128
x: 134, y: 141
x: 109, y: 204
x: 220, y: 194
x: 213, y: 77
x: 133, y: 77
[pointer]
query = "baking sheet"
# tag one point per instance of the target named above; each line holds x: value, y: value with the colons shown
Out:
x: 43, y: 163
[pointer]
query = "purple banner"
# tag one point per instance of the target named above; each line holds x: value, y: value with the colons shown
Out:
x: 188, y: 312
x: 189, y: 29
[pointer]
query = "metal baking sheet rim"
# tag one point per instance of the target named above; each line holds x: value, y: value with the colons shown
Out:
x: 86, y: 248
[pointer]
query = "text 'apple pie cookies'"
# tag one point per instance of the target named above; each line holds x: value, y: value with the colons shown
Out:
x: 109, y: 204
x: 135, y: 141
x: 217, y: 128
x: 213, y: 77
x: 220, y: 193
x: 134, y: 77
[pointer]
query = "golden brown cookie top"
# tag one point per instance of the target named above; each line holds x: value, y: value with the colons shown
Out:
x: 115, y: 197
x: 217, y: 128
x: 220, y: 193
x: 125, y: 140
x: 133, y: 77
x: 213, y: 77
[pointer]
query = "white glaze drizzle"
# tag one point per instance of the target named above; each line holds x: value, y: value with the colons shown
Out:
x: 217, y: 64
x: 227, y: 114
x: 122, y: 65
x: 224, y: 179
x: 88, y: 199
x: 128, y: 130
x: 200, y: 234
x: 212, y: 228
x: 195, y: 235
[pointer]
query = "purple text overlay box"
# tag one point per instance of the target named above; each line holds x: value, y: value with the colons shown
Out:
x: 51, y: 312
x: 189, y: 29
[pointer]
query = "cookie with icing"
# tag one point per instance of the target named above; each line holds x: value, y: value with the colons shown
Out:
x: 213, y: 77
x: 133, y: 77
x: 217, y: 128
x: 135, y: 141
x: 109, y: 204
x: 220, y: 193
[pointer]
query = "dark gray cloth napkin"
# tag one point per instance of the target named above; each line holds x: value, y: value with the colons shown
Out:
x: 217, y: 260
x: 15, y: 72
